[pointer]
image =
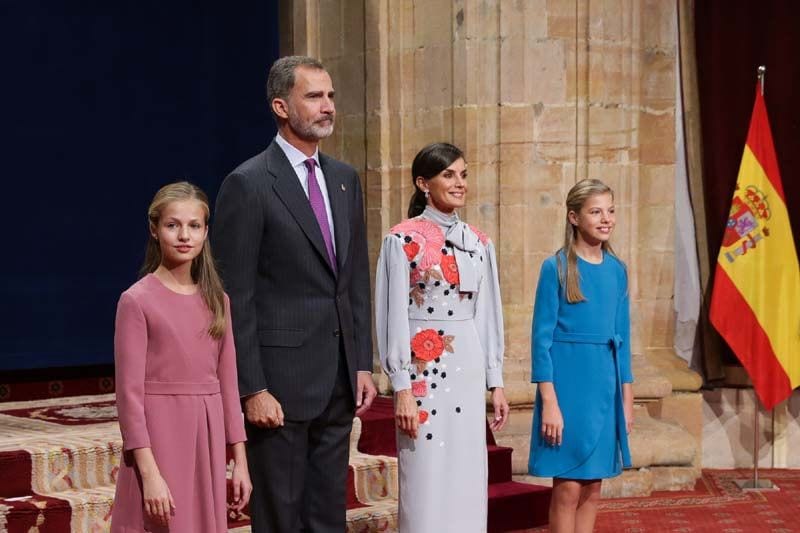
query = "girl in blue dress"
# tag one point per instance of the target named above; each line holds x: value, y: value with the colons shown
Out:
x: 582, y: 362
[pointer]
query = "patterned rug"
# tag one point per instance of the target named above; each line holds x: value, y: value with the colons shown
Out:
x: 715, y: 505
x: 59, y: 460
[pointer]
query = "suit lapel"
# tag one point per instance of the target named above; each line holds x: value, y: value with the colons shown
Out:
x: 337, y: 195
x: 291, y: 193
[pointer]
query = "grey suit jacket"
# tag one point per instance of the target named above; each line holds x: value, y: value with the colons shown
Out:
x: 292, y: 314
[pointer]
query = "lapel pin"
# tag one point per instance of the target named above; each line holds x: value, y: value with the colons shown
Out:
x: 343, y: 187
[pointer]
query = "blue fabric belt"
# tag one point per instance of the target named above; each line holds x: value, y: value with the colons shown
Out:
x: 614, y: 342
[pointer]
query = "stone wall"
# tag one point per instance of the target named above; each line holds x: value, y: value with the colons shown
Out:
x: 539, y: 93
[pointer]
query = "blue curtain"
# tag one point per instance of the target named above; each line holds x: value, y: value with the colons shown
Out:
x: 103, y: 103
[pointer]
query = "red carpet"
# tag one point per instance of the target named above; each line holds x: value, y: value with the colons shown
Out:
x: 715, y: 505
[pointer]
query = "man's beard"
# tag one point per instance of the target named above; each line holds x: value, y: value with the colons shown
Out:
x: 312, y: 131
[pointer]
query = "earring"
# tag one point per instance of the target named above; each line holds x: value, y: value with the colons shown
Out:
x: 427, y: 194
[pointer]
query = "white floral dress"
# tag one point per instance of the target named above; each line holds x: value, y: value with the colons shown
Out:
x: 440, y: 333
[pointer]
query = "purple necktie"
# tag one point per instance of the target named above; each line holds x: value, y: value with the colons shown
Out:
x: 318, y: 206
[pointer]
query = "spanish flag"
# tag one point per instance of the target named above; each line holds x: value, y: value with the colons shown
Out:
x: 755, y: 303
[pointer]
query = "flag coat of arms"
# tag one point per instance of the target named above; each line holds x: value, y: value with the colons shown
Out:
x: 755, y: 303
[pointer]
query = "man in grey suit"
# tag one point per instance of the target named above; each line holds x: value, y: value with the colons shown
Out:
x: 290, y: 239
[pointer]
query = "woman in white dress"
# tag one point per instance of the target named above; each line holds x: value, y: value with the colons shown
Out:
x: 439, y: 326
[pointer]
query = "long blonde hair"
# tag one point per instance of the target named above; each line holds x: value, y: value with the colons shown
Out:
x: 568, y: 275
x: 203, y: 270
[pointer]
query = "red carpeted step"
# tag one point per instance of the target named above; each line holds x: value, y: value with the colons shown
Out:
x: 515, y: 506
x: 499, y: 463
x: 16, y: 468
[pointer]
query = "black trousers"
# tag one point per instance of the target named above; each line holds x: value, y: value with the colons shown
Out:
x: 299, y: 471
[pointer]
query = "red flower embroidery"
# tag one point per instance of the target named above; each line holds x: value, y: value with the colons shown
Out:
x: 423, y: 416
x: 427, y: 345
x: 450, y: 269
x: 419, y: 388
x: 428, y: 235
x: 411, y: 249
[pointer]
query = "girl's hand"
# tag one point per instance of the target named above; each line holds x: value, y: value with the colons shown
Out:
x: 627, y: 404
x: 552, y: 422
x: 242, y: 486
x: 501, y: 409
x: 406, y: 412
x: 158, y: 502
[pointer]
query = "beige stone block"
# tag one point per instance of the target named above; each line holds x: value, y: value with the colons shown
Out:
x: 656, y: 185
x: 535, y: 184
x: 685, y: 409
x: 475, y: 20
x: 352, y: 32
x: 575, y: 78
x: 630, y: 484
x: 657, y: 76
x: 656, y: 228
x: 608, y: 20
x: 516, y: 124
x: 376, y: 18
x: 433, y: 23
x: 554, y: 134
x: 523, y: 18
x: 655, y: 274
x: 658, y: 24
x: 540, y: 226
x: 675, y: 369
x: 330, y: 28
x: 517, y: 314
x: 657, y: 137
x: 523, y: 152
x: 353, y: 149
x: 432, y: 76
x: 675, y: 478
x: 561, y: 20
x: 609, y: 133
x: 654, y: 321
x: 512, y: 71
x: 545, y: 71
x: 655, y: 442
x: 648, y: 383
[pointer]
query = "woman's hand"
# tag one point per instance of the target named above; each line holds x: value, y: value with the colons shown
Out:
x: 242, y: 486
x: 552, y: 421
x: 627, y: 404
x: 158, y: 502
x: 501, y: 409
x: 406, y: 413
x: 156, y: 498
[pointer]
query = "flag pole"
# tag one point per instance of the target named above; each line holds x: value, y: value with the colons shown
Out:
x: 755, y: 483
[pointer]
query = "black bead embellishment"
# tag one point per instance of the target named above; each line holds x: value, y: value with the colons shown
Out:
x: 458, y: 409
x: 430, y: 310
x: 450, y: 312
x: 407, y: 239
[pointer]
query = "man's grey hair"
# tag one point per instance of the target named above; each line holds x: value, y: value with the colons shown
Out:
x: 281, y: 76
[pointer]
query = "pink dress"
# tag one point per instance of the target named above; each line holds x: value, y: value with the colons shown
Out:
x: 177, y: 393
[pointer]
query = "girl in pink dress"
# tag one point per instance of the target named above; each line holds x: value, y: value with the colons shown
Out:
x: 177, y: 393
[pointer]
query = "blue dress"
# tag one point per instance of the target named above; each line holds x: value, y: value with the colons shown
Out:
x: 584, y: 350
